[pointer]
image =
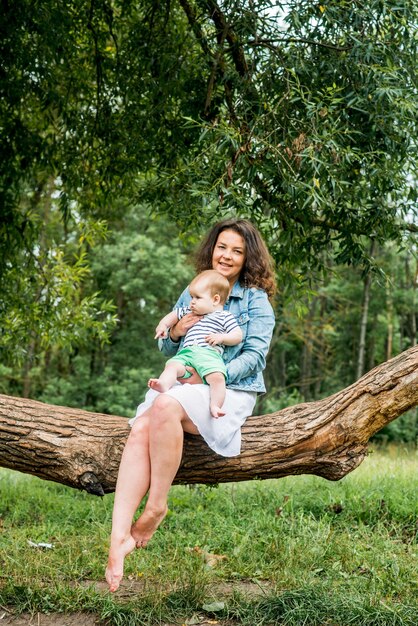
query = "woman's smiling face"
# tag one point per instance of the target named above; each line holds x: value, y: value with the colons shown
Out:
x: 228, y: 256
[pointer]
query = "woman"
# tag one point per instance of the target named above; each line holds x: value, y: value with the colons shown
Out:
x: 153, y: 450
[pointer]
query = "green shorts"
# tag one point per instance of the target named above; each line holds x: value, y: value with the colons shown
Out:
x: 204, y: 360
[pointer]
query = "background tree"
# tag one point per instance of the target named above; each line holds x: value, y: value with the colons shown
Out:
x: 301, y: 116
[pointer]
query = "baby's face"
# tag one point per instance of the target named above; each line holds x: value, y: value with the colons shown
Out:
x: 202, y: 301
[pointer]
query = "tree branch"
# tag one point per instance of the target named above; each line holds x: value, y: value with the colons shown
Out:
x: 222, y: 25
x: 410, y: 227
x: 195, y: 26
x: 218, y: 62
x: 270, y: 43
x: 328, y: 437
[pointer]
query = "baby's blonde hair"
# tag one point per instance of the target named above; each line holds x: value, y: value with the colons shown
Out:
x: 215, y: 282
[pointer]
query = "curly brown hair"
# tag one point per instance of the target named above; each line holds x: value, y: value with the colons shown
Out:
x: 258, y: 268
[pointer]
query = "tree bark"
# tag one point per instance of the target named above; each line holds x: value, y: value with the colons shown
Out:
x: 328, y: 438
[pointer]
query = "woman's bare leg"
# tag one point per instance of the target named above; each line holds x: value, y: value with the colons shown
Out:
x: 153, y: 430
x: 132, y: 484
x: 166, y: 432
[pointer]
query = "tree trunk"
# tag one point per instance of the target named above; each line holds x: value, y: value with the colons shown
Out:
x: 364, y: 317
x: 414, y: 307
x: 306, y: 379
x: 328, y: 437
x: 322, y: 344
x: 27, y: 368
x: 389, y: 317
x: 371, y: 350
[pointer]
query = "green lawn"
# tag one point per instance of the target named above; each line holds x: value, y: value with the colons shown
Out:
x: 298, y: 550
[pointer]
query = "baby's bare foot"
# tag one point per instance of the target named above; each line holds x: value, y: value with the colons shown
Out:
x: 216, y: 411
x: 117, y: 553
x: 146, y: 525
x: 154, y: 383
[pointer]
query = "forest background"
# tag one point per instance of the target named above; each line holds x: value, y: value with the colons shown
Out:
x: 127, y: 128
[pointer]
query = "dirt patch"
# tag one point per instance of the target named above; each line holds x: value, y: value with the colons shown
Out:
x: 126, y: 591
x: 79, y: 619
x: 7, y: 618
x: 129, y: 588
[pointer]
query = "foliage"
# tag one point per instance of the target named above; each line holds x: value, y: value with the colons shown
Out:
x: 301, y: 116
x: 141, y: 267
x: 327, y: 332
x: 297, y: 550
x: 43, y: 301
x: 311, y: 135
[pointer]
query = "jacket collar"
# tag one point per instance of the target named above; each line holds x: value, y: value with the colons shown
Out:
x: 237, y: 291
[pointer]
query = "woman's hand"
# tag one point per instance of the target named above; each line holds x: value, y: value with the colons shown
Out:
x: 194, y: 379
x: 183, y: 325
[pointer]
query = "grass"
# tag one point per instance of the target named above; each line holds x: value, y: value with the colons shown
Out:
x: 317, y: 553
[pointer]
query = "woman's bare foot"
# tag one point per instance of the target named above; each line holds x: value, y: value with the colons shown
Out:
x: 154, y: 383
x: 146, y: 525
x: 117, y: 553
x: 216, y: 411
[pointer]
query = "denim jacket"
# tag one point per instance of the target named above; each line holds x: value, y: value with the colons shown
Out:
x: 245, y: 361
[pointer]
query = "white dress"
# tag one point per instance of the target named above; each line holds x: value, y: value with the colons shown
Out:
x: 223, y: 435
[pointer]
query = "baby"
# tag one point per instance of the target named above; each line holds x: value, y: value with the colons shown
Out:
x: 203, y: 343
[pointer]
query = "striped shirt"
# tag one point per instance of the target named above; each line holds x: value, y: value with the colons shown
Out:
x: 216, y: 322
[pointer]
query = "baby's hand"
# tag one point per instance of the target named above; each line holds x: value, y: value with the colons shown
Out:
x: 214, y: 339
x: 161, y: 331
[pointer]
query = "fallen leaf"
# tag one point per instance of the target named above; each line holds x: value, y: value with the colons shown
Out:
x: 210, y: 559
x: 214, y: 607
